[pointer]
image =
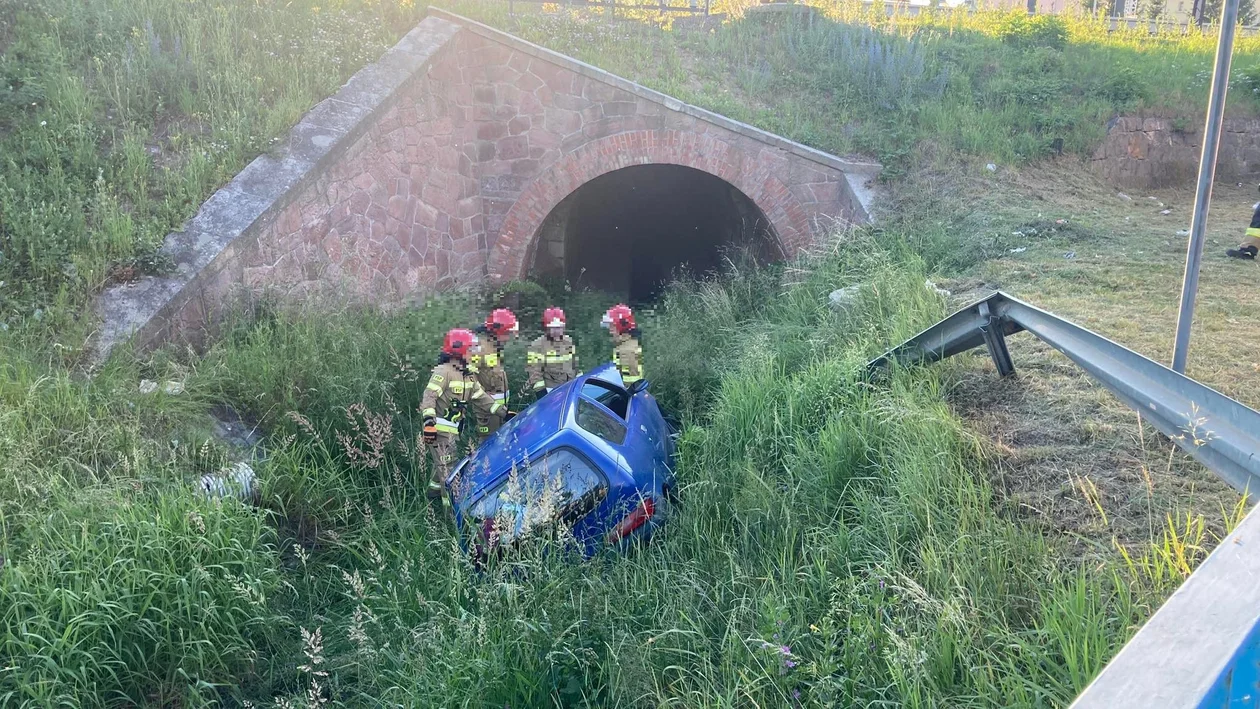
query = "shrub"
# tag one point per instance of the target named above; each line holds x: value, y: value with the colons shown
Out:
x: 1020, y: 30
x: 1123, y: 86
x: 1250, y: 81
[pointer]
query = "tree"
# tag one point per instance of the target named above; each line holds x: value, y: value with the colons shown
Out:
x: 1151, y: 10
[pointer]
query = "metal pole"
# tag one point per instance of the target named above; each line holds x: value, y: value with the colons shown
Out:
x: 1207, y: 169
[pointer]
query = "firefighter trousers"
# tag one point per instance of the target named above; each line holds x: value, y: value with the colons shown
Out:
x: 441, y: 455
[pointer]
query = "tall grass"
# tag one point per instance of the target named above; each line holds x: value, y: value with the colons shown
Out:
x: 118, y: 118
x: 849, y: 78
x: 838, y: 543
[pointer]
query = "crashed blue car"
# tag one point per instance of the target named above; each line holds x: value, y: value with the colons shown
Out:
x: 593, y: 458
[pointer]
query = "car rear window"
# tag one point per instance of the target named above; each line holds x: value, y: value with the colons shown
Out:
x: 562, y: 485
x: 595, y: 419
x: 615, y: 399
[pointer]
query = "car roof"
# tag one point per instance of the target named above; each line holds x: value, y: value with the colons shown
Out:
x: 526, y: 434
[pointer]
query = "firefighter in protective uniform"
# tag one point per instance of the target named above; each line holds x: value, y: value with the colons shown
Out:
x: 1251, y: 240
x: 552, y: 358
x: 627, y: 354
x: 451, y: 391
x: 487, y: 362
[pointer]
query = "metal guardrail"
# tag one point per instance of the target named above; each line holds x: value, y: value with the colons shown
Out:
x: 1202, y: 648
x: 1216, y: 430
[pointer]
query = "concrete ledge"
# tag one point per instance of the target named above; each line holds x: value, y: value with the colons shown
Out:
x: 640, y: 91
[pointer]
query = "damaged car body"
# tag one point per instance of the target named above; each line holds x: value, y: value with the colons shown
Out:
x: 593, y: 459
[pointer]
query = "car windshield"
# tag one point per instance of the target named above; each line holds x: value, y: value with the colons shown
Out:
x: 563, y: 485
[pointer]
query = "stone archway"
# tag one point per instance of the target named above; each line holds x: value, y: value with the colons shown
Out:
x: 513, y: 251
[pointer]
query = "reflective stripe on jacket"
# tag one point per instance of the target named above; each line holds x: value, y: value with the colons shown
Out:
x: 628, y: 356
x: 550, y: 363
x: 450, y: 389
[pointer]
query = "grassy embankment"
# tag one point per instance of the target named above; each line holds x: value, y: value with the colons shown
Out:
x: 840, y: 543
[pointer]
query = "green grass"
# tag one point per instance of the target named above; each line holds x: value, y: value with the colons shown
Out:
x: 840, y: 543
x: 990, y: 84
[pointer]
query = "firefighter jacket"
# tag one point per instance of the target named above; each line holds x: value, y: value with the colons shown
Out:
x: 550, y: 363
x: 451, y: 390
x: 488, y: 365
x: 628, y: 356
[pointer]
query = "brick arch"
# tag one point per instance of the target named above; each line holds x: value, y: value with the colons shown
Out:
x: 511, y: 255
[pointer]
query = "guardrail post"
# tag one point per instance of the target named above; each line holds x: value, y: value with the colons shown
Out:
x: 995, y: 341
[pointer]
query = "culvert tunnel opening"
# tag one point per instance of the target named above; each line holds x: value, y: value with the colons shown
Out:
x: 632, y: 230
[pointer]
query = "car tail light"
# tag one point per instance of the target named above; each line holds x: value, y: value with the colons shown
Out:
x: 633, y: 521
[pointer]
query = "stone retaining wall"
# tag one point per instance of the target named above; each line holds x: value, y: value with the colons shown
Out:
x: 1150, y: 152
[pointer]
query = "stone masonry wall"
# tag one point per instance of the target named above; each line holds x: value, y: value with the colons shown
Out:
x: 398, y: 215
x: 1150, y: 152
x: 546, y: 124
x: 434, y: 169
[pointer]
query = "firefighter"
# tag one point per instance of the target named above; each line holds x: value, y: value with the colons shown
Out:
x: 1251, y: 241
x: 500, y: 326
x: 451, y: 390
x: 552, y: 358
x: 627, y: 354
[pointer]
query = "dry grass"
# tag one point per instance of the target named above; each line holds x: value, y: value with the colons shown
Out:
x: 1072, y: 458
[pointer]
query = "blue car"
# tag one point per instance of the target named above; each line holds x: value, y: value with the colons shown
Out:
x: 593, y: 458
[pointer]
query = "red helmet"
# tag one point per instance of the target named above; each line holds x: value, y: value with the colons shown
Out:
x: 459, y: 343
x: 553, y: 317
x: 501, y: 322
x: 619, y: 319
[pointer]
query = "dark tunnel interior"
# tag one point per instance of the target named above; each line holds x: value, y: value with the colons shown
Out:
x: 631, y: 230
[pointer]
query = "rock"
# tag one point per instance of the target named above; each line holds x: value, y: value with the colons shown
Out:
x: 148, y: 386
x: 1124, y: 196
x: 173, y: 388
x: 237, y: 481
x: 842, y: 299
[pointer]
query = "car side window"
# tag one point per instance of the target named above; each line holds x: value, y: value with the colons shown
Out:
x: 596, y: 420
x: 616, y: 400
